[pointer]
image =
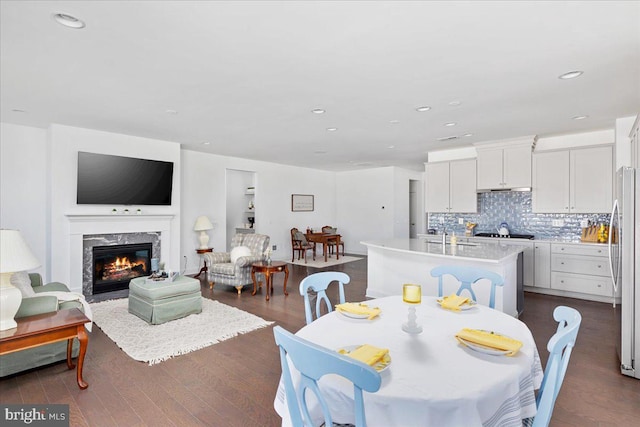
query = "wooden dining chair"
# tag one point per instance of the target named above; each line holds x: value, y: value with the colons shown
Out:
x: 319, y: 282
x: 560, y: 346
x: 313, y: 362
x: 467, y: 276
x: 300, y: 244
x: 333, y: 244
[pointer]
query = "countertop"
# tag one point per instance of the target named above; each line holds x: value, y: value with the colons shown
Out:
x: 484, y: 251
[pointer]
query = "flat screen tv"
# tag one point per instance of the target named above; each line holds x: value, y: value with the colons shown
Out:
x: 115, y: 180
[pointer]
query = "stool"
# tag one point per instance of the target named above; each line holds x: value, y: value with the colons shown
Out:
x: 160, y: 302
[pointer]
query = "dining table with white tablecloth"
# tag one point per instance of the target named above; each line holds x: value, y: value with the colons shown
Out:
x: 433, y: 379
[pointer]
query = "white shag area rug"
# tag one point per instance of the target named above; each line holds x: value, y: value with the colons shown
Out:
x: 319, y: 262
x: 157, y: 343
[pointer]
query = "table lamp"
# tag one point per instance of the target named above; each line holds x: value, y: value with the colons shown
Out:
x: 15, y: 256
x: 412, y: 295
x: 202, y: 225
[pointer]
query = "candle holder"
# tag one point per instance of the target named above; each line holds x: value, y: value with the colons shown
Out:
x: 412, y: 295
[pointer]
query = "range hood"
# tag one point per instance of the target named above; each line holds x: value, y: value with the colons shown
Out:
x: 502, y: 190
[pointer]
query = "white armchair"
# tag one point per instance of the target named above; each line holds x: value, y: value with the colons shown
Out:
x: 238, y: 274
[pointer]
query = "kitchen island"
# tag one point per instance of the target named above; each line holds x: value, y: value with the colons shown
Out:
x: 393, y: 262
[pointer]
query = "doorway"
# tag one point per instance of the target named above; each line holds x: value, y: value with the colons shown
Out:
x: 241, y: 193
x: 415, y: 215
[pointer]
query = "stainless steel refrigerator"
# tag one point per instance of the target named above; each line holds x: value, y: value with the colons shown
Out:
x: 624, y: 262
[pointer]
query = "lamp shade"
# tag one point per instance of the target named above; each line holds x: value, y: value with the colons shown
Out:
x: 202, y: 224
x: 15, y: 254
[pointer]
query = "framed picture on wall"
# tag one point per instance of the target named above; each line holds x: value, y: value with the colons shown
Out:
x: 302, y: 203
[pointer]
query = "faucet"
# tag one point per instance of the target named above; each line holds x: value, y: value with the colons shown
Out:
x: 444, y: 236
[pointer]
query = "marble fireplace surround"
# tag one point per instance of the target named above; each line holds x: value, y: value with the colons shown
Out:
x: 82, y: 227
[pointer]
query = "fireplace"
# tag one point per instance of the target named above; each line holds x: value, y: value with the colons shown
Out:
x: 115, y: 265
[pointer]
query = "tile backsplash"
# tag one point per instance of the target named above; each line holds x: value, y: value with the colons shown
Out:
x: 514, y: 208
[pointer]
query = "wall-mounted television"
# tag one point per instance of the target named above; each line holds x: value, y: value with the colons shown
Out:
x: 115, y: 180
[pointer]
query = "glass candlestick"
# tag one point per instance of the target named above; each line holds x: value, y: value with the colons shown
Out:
x: 412, y: 295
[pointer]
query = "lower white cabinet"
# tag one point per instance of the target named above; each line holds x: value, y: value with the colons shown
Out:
x: 580, y: 268
x: 542, y: 265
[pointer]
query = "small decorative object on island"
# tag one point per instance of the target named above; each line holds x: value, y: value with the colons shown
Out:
x: 203, y: 225
x: 412, y: 295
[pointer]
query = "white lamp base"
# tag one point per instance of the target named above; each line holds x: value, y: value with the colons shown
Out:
x: 204, y: 240
x: 10, y: 299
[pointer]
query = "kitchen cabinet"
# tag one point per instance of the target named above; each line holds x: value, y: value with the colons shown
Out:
x: 502, y: 166
x: 451, y: 186
x: 542, y: 265
x: 581, y: 271
x: 573, y: 181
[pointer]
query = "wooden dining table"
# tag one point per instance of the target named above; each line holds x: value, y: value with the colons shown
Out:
x: 432, y: 380
x: 326, y: 239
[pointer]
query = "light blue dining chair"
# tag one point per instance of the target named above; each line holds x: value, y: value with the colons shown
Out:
x: 319, y: 282
x: 467, y: 276
x: 560, y: 346
x: 313, y: 362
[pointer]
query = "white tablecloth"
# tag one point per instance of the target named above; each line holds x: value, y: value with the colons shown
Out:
x: 432, y: 380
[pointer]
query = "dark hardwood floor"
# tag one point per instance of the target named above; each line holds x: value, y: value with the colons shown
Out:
x: 233, y: 383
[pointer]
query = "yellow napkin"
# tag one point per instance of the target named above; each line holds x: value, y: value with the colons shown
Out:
x: 359, y: 308
x: 368, y: 354
x: 453, y: 302
x: 490, y: 339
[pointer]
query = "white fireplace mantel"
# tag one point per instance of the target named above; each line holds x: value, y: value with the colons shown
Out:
x: 81, y: 225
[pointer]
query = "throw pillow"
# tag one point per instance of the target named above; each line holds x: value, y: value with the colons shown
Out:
x: 21, y: 281
x: 239, y: 251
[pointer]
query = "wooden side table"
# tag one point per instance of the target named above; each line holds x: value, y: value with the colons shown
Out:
x: 34, y: 331
x: 204, y: 269
x: 268, y: 269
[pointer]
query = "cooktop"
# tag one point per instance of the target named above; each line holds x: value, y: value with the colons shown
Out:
x: 510, y: 236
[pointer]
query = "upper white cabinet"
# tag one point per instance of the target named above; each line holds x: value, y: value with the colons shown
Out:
x: 451, y: 186
x: 505, y: 164
x: 573, y: 181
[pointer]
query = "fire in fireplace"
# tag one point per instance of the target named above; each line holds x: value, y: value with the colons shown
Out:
x: 114, y: 266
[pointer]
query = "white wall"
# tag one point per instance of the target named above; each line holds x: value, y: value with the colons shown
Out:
x: 65, y: 142
x: 204, y: 193
x: 23, y: 191
x: 373, y: 204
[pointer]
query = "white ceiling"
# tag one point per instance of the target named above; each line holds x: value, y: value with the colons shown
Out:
x: 244, y: 76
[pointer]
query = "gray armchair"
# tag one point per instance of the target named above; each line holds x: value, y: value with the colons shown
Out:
x: 46, y: 354
x: 238, y: 274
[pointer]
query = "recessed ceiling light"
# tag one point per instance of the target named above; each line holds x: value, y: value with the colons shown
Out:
x: 468, y: 134
x: 18, y: 110
x: 424, y: 108
x: 332, y: 129
x: 394, y: 122
x: 206, y: 143
x: 171, y: 112
x: 579, y: 117
x: 391, y: 147
x: 319, y: 152
x: 68, y: 21
x: 450, y: 124
x: 454, y: 103
x: 318, y: 111
x: 570, y: 75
